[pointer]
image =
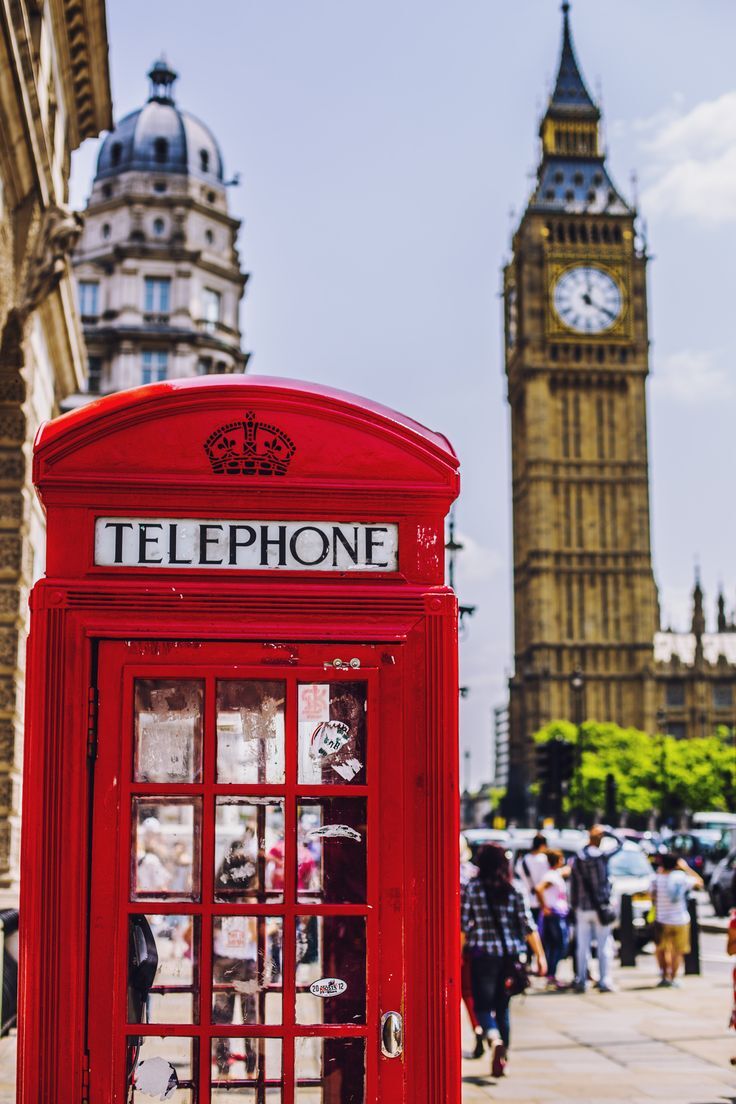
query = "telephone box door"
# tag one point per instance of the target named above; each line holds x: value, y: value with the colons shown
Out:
x: 245, y: 927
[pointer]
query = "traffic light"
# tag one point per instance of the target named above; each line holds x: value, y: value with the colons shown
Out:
x: 555, y: 762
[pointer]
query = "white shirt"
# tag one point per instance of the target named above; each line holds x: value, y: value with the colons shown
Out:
x: 667, y: 886
x: 532, y: 869
x: 555, y: 893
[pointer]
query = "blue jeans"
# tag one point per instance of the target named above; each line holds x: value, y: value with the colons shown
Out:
x: 488, y: 982
x: 555, y: 935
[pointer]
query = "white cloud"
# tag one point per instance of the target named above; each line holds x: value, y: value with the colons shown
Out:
x: 692, y: 376
x: 692, y: 161
x: 476, y: 564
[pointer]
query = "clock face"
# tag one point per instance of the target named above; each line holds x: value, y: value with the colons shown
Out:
x: 587, y: 299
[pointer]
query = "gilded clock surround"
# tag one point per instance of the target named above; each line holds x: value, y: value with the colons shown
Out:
x: 619, y: 272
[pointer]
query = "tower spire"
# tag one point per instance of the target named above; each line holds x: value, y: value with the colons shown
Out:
x: 570, y: 92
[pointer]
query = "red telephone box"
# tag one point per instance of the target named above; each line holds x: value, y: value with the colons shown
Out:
x: 240, y: 813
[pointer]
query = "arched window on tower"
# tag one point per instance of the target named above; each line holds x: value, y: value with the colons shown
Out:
x: 160, y: 150
x: 204, y: 160
x: 116, y: 152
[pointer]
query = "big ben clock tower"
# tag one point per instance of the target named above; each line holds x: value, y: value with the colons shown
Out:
x: 585, y: 600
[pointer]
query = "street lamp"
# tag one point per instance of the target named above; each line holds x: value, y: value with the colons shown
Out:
x: 577, y: 688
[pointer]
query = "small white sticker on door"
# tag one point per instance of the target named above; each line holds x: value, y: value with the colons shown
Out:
x: 328, y: 987
x: 328, y: 738
x: 156, y: 1077
x: 348, y: 769
x: 336, y: 831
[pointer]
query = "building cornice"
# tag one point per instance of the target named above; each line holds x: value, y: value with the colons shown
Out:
x: 81, y: 33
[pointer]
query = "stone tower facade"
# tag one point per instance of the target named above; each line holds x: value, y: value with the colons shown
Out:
x: 585, y: 600
x: 157, y: 268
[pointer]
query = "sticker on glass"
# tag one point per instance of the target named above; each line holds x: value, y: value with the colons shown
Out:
x: 328, y: 738
x: 156, y: 1077
x: 335, y: 831
x: 328, y: 987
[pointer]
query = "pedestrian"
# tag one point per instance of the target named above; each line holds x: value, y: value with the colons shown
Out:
x: 731, y: 949
x: 531, y: 868
x: 590, y: 892
x: 468, y: 871
x: 555, y: 908
x: 498, y: 927
x: 671, y: 884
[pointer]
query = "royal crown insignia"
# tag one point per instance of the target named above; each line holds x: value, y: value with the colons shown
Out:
x: 249, y: 447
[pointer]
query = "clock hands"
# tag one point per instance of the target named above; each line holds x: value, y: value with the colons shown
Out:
x: 597, y: 306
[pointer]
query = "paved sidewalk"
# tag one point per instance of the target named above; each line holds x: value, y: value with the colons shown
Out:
x: 7, y: 1070
x: 637, y: 1045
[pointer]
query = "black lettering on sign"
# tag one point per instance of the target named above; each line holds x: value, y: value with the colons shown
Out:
x: 144, y: 540
x: 118, y: 526
x: 370, y: 541
x: 339, y: 537
x: 204, y: 541
x: 235, y: 544
x: 294, y: 542
x: 279, y: 542
x: 173, y: 530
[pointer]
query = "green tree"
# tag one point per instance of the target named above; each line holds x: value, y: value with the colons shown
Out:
x: 652, y: 772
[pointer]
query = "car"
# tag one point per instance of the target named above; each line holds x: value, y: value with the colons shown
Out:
x: 630, y: 872
x: 702, y: 850
x: 721, y: 885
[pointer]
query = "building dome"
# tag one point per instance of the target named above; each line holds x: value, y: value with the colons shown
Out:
x: 160, y: 137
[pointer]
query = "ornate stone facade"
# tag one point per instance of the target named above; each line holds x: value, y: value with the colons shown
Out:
x: 577, y: 356
x: 157, y: 267
x: 54, y: 93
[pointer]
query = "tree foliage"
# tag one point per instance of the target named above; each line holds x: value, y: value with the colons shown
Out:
x: 654, y: 774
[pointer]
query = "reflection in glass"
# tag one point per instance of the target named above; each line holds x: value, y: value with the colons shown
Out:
x: 160, y: 1066
x: 163, y: 957
x: 246, y: 969
x: 332, y: 733
x: 168, y: 730
x: 330, y: 969
x: 165, y: 858
x: 333, y: 831
x: 246, y: 1070
x: 330, y: 1071
x: 250, y: 731
x: 249, y: 849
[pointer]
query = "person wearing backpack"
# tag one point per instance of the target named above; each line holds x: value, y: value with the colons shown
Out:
x: 498, y: 927
x: 590, y: 894
x: 671, y: 885
x: 531, y: 869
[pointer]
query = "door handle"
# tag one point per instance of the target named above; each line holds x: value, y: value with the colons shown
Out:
x: 392, y: 1035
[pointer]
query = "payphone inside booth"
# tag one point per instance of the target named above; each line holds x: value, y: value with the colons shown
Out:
x: 240, y: 818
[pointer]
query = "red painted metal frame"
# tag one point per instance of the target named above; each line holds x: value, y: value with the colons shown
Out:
x: 129, y: 455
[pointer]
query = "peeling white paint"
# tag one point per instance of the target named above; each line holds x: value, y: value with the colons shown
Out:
x: 348, y: 769
x: 336, y: 831
x: 156, y: 1077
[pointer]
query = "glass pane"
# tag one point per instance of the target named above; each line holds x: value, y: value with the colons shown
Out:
x: 168, y: 730
x: 246, y: 1070
x: 249, y: 849
x: 165, y: 864
x: 332, y: 733
x: 246, y: 969
x: 330, y: 969
x: 250, y: 731
x: 163, y: 958
x: 161, y: 1069
x: 330, y: 1071
x: 333, y: 830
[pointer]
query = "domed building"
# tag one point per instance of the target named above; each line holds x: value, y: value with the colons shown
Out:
x: 157, y: 266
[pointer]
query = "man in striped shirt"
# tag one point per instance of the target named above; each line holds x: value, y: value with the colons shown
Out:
x: 671, y: 885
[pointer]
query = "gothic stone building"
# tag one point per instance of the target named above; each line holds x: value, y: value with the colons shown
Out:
x: 157, y: 266
x: 54, y: 93
x: 586, y: 612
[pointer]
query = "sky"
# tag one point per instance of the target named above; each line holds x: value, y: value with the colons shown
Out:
x: 385, y: 150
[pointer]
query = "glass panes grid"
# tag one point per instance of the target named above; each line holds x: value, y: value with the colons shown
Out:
x: 205, y: 853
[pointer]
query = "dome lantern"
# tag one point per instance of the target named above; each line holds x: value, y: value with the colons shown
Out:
x: 162, y: 78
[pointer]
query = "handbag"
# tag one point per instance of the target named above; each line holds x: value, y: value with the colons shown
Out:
x: 604, y: 911
x: 516, y: 975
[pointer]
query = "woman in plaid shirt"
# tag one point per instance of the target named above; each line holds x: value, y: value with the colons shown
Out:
x: 497, y: 926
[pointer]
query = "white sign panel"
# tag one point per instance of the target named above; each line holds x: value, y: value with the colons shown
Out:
x: 246, y: 545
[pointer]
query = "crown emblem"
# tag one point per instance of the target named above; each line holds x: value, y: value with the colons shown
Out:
x: 249, y: 447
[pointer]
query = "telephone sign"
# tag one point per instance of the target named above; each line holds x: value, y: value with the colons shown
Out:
x: 241, y: 754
